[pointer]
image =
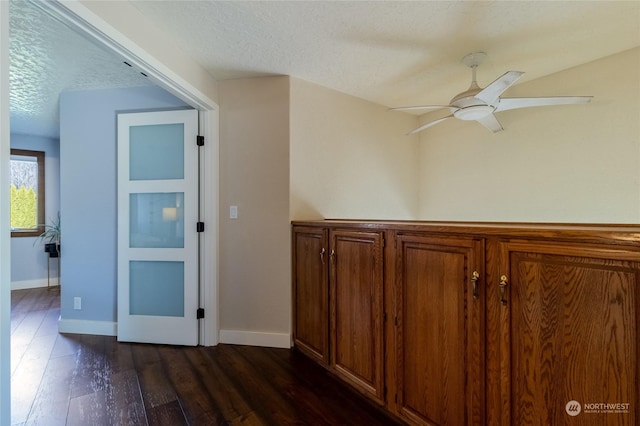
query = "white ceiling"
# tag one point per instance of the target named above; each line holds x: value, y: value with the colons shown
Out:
x: 389, y: 52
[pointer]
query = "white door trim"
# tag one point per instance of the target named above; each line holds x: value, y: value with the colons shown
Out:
x: 78, y: 16
x: 5, y: 235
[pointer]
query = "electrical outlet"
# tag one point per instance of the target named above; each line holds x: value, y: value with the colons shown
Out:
x: 233, y: 212
x: 77, y: 303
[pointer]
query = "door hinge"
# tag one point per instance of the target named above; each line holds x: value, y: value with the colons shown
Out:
x: 200, y: 227
x: 200, y: 313
x: 200, y: 140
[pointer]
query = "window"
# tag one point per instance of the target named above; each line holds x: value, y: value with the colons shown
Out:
x: 27, y: 193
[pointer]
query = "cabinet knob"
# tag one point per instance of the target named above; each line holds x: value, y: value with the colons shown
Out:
x: 322, y: 252
x: 503, y: 289
x: 475, y: 276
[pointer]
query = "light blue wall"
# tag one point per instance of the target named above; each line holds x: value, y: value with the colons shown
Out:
x: 88, y: 193
x: 28, y: 260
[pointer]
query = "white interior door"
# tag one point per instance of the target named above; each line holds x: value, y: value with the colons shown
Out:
x: 157, y: 235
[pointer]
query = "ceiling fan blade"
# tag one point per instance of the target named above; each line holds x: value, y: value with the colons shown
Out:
x: 491, y: 122
x: 409, y: 108
x: 493, y: 91
x: 429, y: 124
x: 514, y: 103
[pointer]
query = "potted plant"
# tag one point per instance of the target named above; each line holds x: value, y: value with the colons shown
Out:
x: 51, y: 237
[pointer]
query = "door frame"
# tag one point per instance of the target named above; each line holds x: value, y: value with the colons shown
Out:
x: 5, y: 234
x: 80, y: 18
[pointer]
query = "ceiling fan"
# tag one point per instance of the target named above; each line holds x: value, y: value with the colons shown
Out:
x: 479, y: 104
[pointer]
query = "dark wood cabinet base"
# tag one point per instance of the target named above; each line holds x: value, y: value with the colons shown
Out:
x: 477, y: 323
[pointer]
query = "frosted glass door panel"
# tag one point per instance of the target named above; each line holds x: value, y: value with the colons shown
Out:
x: 158, y: 262
x: 156, y: 288
x: 156, y: 220
x: 156, y: 152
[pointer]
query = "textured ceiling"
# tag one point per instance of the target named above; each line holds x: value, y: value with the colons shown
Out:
x: 395, y: 52
x: 389, y: 52
x: 47, y: 58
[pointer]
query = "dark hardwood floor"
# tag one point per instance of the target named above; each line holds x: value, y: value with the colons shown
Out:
x: 60, y: 379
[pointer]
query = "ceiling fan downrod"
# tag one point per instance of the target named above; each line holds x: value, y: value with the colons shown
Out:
x: 472, y: 60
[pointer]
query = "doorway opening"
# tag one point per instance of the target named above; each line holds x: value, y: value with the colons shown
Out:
x: 84, y: 22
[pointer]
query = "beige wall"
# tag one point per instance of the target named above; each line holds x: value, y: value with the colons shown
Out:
x: 292, y: 149
x: 254, y: 175
x: 578, y: 163
x: 350, y: 158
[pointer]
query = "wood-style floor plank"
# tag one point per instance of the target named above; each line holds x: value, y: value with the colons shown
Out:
x: 52, y: 400
x: 27, y: 329
x: 155, y: 387
x: 192, y: 393
x: 228, y: 400
x: 124, y: 400
x: 28, y: 375
x: 275, y: 406
x: 88, y: 409
x: 66, y: 344
x: 96, y: 380
x: 91, y: 374
x: 169, y: 414
x: 305, y: 399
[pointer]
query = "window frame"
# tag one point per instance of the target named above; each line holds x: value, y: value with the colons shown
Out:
x: 39, y: 229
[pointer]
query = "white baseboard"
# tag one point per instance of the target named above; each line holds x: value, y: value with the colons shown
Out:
x: 25, y: 284
x: 100, y: 328
x: 255, y: 338
x: 233, y: 337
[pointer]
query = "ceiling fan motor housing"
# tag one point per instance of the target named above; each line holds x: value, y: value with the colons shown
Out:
x: 470, y: 107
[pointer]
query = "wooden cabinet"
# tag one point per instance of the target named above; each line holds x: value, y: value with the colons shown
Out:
x: 474, y: 324
x: 439, y: 329
x: 337, y: 303
x: 311, y: 292
x: 570, y: 317
x: 356, y: 309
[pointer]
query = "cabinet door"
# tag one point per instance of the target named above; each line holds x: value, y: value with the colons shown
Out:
x: 570, y: 332
x: 439, y: 288
x: 356, y: 309
x: 311, y: 292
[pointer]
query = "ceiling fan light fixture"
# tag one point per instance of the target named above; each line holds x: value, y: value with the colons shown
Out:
x: 475, y: 112
x: 478, y: 104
